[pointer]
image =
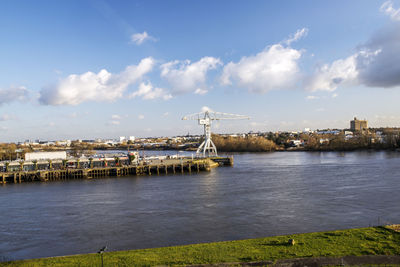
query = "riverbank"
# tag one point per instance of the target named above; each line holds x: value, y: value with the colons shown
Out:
x: 351, y: 242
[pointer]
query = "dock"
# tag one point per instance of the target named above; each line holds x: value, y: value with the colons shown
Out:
x: 80, y: 169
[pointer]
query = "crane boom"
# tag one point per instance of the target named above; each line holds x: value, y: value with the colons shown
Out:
x: 214, y: 116
x: 205, y: 118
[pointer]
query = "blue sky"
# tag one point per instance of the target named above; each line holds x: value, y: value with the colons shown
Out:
x: 103, y: 69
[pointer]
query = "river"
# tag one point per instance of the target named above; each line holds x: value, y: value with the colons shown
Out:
x: 264, y: 194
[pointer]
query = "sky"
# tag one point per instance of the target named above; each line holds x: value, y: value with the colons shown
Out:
x: 102, y: 69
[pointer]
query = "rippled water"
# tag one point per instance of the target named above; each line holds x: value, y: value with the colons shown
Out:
x: 262, y: 195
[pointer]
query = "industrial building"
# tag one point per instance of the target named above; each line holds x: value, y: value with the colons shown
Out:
x: 358, y: 125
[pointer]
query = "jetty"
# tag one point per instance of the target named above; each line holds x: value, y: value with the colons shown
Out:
x: 91, y: 168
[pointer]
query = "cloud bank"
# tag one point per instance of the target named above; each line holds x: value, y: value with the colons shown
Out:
x: 379, y: 63
x: 329, y: 77
x: 89, y: 86
x: 276, y: 67
x: 374, y: 64
x: 147, y: 91
x: 186, y: 77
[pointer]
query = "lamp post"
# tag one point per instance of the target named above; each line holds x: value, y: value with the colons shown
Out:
x: 101, y: 251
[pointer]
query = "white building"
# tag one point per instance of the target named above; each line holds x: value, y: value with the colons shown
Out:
x: 109, y: 142
x: 297, y: 143
x: 64, y: 143
x: 45, y: 155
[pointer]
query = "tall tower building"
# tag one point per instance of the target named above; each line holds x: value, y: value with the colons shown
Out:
x: 358, y: 125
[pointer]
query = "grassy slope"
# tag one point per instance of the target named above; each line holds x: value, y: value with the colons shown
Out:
x: 364, y: 241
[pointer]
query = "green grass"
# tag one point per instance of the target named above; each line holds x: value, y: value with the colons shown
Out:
x: 364, y: 241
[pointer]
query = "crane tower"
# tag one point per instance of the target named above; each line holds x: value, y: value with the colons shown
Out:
x: 205, y: 118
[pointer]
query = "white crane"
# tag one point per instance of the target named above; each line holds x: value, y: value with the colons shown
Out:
x: 205, y: 118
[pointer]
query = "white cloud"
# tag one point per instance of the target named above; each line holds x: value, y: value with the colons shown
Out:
x: 200, y: 91
x: 115, y: 120
x: 334, y: 95
x: 89, y: 86
x: 389, y: 10
x: 276, y: 67
x: 312, y: 97
x: 139, y: 38
x: 147, y: 91
x: 141, y: 117
x: 166, y: 114
x: 13, y: 94
x: 298, y: 35
x: 184, y: 76
x: 374, y: 64
x: 329, y: 77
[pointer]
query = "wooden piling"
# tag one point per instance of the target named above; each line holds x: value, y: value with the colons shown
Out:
x: 54, y: 174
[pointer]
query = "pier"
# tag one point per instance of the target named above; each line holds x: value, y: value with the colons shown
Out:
x: 90, y: 169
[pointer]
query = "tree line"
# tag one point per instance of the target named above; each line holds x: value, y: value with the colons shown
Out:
x: 243, y: 144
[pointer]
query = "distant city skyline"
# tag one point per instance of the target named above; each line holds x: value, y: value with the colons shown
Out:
x: 104, y: 69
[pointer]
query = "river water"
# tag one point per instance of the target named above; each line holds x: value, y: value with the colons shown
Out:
x: 264, y: 194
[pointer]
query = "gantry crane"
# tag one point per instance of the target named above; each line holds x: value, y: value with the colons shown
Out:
x: 205, y: 118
